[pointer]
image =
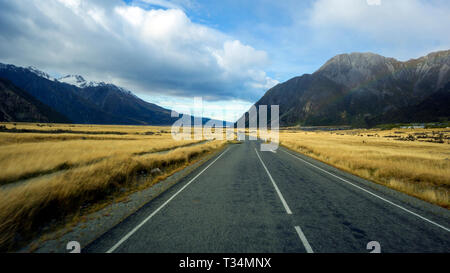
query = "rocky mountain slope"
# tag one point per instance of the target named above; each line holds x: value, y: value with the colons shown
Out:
x: 364, y: 89
x: 17, y: 105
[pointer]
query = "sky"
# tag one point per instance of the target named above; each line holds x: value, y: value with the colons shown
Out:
x: 227, y: 52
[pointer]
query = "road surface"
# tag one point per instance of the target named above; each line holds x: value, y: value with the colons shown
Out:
x: 248, y: 201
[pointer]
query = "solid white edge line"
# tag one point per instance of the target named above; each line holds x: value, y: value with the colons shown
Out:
x: 373, y: 194
x: 286, y: 207
x: 304, y: 240
x: 128, y: 235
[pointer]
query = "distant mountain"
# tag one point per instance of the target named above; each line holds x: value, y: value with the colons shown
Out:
x: 122, y: 102
x: 363, y: 89
x: 86, y: 102
x: 17, y: 105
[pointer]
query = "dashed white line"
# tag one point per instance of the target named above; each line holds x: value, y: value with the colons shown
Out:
x: 303, y: 239
x: 128, y: 235
x: 286, y: 207
x: 371, y: 193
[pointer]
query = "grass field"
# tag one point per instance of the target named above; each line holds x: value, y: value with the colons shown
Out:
x: 414, y: 161
x: 50, y: 172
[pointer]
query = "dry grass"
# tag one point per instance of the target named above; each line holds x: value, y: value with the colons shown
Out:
x: 126, y: 129
x: 97, y: 168
x: 24, y: 160
x: 421, y: 169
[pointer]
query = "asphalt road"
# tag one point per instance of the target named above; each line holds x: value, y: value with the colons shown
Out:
x: 248, y: 201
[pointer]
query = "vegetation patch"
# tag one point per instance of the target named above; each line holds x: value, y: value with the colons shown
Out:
x: 418, y: 165
x: 26, y: 209
x: 74, y: 174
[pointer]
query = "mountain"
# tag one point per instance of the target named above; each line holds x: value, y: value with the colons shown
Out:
x: 122, y: 102
x: 76, y: 80
x: 86, y: 102
x: 432, y: 108
x: 363, y: 89
x: 17, y: 105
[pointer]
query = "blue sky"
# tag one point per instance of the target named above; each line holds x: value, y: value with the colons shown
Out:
x: 228, y: 52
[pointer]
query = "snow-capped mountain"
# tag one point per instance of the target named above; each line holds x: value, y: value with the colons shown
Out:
x: 80, y: 82
x: 40, y: 73
x: 76, y: 80
x: 86, y: 102
x: 30, y: 69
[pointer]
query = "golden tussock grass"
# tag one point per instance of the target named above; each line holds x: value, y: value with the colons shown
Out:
x: 421, y: 169
x: 125, y: 165
x: 125, y: 129
x: 29, y: 159
x: 24, y: 209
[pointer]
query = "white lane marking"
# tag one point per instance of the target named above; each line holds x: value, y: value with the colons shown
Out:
x: 286, y: 207
x: 162, y: 206
x: 373, y: 194
x: 303, y: 239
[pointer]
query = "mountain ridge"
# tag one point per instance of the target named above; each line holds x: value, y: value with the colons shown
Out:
x: 17, y: 105
x: 358, y: 89
x: 98, y: 103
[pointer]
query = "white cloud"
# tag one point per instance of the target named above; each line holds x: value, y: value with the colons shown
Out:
x: 161, y: 3
x: 148, y: 50
x: 399, y: 21
x: 228, y: 110
x: 242, y: 61
x: 72, y: 4
x: 168, y: 4
x: 235, y: 56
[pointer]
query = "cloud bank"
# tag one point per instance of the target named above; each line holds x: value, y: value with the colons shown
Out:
x: 402, y: 27
x: 150, y: 50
